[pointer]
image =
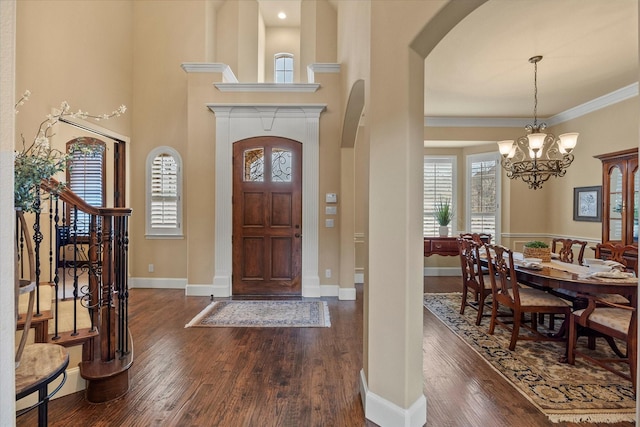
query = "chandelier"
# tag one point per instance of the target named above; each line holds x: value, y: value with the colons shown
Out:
x: 537, y: 156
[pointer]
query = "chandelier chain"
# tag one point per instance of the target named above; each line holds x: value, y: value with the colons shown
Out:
x: 535, y: 95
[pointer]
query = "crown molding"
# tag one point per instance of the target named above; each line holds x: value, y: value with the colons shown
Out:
x: 604, y: 101
x: 596, y: 104
x: 211, y: 67
x: 312, y: 69
x: 475, y: 122
x: 267, y: 87
x: 324, y: 67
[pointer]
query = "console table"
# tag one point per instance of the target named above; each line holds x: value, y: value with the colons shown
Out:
x: 447, y: 246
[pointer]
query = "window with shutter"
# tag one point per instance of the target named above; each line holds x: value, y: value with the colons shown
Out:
x: 86, y: 178
x: 439, y: 184
x: 163, y: 193
x: 483, y: 194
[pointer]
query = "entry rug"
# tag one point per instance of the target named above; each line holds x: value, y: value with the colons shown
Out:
x: 263, y: 314
x: 564, y: 393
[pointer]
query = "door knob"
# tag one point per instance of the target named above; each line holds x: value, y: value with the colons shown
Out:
x: 298, y: 235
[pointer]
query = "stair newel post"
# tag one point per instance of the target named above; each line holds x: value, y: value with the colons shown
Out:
x: 107, y: 315
x: 122, y: 283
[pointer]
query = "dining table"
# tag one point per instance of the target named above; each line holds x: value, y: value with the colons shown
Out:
x: 556, y: 275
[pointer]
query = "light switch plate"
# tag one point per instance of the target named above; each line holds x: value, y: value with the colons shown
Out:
x: 328, y: 223
x: 331, y: 198
x: 331, y: 210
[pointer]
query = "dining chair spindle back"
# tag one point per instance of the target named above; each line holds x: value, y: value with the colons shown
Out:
x: 507, y: 292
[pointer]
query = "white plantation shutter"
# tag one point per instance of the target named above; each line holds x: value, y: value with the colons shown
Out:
x: 164, y: 192
x: 164, y: 209
x: 439, y: 183
x: 483, y: 194
x: 85, y: 177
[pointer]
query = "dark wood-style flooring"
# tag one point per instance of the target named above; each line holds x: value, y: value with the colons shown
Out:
x: 284, y: 377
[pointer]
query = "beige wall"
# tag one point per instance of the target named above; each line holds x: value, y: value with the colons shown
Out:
x: 226, y: 38
x: 237, y: 36
x: 165, y: 35
x: 88, y: 64
x: 318, y: 33
x: 283, y: 40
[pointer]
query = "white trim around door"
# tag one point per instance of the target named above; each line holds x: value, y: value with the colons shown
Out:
x: 235, y: 122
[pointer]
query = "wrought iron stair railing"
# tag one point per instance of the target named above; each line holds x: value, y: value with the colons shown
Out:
x: 81, y: 275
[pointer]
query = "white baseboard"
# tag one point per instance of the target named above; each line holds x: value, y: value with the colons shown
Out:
x: 388, y: 414
x: 329, y: 290
x: 73, y: 384
x: 206, y: 291
x: 441, y: 271
x: 347, y: 294
x: 157, y: 283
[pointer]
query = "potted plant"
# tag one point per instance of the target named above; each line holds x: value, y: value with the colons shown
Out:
x: 444, y: 215
x: 537, y: 249
x: 36, y: 160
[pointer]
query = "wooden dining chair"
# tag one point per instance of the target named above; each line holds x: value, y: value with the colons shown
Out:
x: 474, y: 280
x: 520, y: 300
x: 477, y: 237
x: 611, y: 320
x: 626, y: 255
x: 565, y: 249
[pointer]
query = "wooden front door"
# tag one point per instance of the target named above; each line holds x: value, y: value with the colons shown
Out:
x: 267, y: 216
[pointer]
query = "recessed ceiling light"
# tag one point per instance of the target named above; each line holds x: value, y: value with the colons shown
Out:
x: 282, y: 15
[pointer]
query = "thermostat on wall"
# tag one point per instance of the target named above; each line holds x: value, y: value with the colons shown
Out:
x: 332, y: 198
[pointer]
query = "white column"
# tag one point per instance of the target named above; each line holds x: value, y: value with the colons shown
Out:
x: 224, y: 209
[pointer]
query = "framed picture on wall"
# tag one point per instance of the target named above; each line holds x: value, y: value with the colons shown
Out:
x: 587, y: 203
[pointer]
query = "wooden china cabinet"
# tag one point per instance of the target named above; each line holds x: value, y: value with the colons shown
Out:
x: 620, y: 184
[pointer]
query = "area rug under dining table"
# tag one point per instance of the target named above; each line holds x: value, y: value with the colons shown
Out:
x: 263, y: 313
x: 578, y: 393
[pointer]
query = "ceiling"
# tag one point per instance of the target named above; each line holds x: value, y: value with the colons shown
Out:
x: 481, y: 68
x: 270, y: 9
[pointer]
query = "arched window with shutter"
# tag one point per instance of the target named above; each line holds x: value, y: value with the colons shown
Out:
x: 86, y: 178
x: 164, y: 191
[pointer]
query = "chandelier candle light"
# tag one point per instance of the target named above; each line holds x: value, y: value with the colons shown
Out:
x: 537, y: 156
